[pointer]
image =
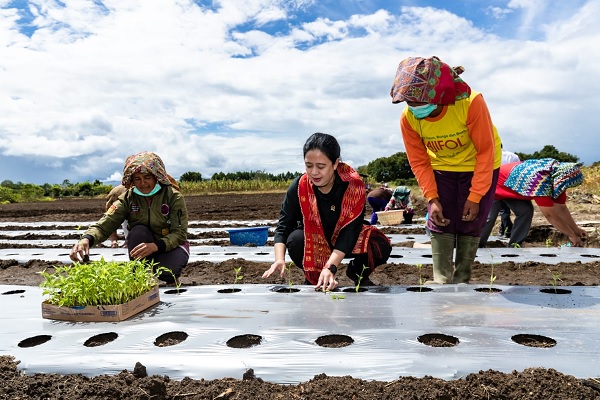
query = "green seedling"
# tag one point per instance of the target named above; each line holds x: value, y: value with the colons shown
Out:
x: 555, y: 280
x: 516, y: 246
x: 289, y: 274
x: 100, y: 282
x: 237, y: 277
x: 549, y: 242
x: 492, y: 276
x: 420, y: 269
x: 338, y: 297
x: 360, y: 278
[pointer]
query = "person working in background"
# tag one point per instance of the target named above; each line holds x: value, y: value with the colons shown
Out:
x: 377, y: 199
x: 156, y: 213
x: 544, y: 181
x: 401, y: 201
x: 321, y: 221
x: 505, y: 221
x: 454, y: 151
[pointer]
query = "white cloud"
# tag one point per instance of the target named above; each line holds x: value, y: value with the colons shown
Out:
x: 97, y: 83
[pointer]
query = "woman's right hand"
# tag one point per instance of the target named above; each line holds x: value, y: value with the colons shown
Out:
x: 278, y: 265
x: 81, y: 251
x: 436, y: 215
x: 576, y: 241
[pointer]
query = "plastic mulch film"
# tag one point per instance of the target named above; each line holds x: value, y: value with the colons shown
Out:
x: 290, y: 333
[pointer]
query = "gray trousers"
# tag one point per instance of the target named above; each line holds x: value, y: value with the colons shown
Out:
x: 523, y: 210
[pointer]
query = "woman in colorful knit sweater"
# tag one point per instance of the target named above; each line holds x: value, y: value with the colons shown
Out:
x: 322, y: 221
x: 455, y: 152
x: 544, y: 181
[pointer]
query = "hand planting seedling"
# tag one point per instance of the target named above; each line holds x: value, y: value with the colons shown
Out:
x: 555, y: 280
x: 100, y: 282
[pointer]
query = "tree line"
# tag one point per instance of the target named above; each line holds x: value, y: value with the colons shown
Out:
x: 393, y: 169
x: 396, y: 168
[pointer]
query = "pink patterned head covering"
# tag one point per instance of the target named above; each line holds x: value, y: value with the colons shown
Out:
x: 428, y: 80
x: 146, y: 162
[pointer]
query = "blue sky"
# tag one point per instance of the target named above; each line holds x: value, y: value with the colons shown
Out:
x: 226, y: 86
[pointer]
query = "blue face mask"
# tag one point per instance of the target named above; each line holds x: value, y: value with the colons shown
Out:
x: 153, y: 192
x: 422, y: 111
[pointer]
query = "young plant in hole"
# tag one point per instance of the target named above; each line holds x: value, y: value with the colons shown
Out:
x: 420, y: 269
x: 237, y: 277
x: 100, y: 282
x: 549, y: 242
x: 360, y: 278
x: 555, y: 280
x: 492, y: 276
x: 516, y: 246
x: 289, y: 274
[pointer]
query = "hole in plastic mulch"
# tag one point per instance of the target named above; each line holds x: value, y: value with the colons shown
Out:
x: 18, y: 291
x: 487, y: 290
x: 170, y: 339
x: 229, y: 290
x: 286, y: 289
x: 438, y: 340
x: 534, y: 340
x: 175, y: 291
x: 34, y: 341
x: 244, y: 341
x: 419, y: 289
x: 101, y: 339
x: 555, y: 291
x: 334, y: 341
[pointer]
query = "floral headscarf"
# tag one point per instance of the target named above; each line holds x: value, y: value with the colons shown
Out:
x: 428, y: 80
x: 146, y: 162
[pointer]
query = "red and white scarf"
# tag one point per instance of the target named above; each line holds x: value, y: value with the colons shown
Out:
x: 316, y: 247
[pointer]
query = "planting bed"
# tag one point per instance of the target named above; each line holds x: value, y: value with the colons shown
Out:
x: 375, y: 359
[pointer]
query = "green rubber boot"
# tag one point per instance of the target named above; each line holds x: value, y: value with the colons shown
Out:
x: 466, y: 250
x: 442, y: 249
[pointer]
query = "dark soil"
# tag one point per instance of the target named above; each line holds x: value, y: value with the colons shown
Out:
x: 537, y: 383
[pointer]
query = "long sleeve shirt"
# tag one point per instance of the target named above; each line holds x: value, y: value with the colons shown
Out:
x: 166, y: 216
x: 329, y: 205
x: 462, y: 139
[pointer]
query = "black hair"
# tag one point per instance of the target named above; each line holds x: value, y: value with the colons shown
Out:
x: 327, y: 144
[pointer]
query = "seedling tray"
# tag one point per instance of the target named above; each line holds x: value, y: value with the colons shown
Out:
x: 103, y: 313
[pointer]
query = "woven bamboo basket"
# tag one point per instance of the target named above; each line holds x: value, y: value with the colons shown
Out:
x: 392, y: 217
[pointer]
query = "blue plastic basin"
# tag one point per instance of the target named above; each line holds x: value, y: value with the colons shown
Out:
x: 256, y: 235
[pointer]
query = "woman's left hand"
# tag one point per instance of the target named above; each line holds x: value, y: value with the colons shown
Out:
x: 470, y: 211
x: 326, y: 281
x: 143, y: 250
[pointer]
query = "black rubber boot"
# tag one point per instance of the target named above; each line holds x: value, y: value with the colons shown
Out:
x: 407, y: 218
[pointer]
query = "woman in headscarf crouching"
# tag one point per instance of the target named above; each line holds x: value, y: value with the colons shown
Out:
x: 156, y: 214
